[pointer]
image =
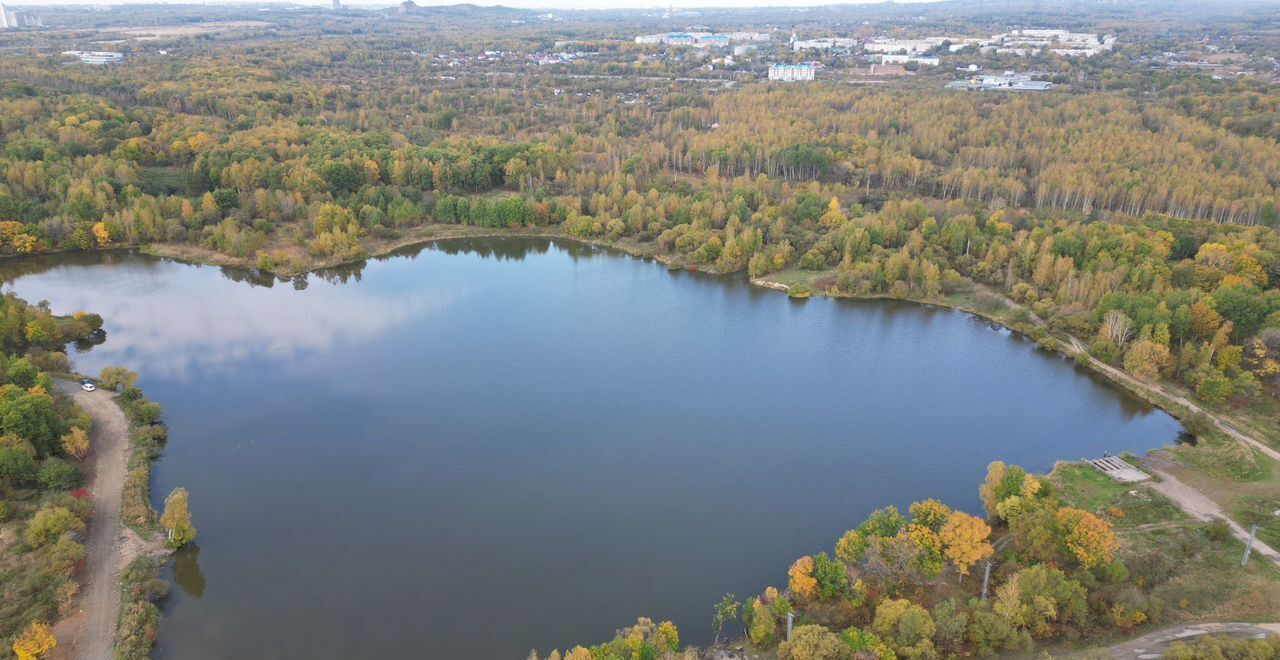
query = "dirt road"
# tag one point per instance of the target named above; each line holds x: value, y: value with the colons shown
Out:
x: 1196, y: 505
x: 89, y: 632
x: 1153, y: 645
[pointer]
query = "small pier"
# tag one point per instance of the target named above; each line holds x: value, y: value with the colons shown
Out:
x: 1119, y: 469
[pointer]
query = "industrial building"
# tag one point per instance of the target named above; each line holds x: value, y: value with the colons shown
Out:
x: 94, y: 57
x: 1009, y: 82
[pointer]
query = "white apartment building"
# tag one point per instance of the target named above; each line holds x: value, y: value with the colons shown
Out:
x: 792, y: 72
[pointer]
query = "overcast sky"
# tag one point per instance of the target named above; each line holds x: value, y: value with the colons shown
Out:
x: 529, y: 4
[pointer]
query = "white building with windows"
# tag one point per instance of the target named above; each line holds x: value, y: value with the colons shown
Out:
x: 903, y: 59
x: 1059, y: 42
x: 792, y: 72
x: 825, y: 44
x: 701, y: 39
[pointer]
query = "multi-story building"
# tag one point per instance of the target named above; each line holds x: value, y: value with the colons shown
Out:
x: 903, y: 59
x: 824, y: 44
x: 701, y: 39
x: 792, y: 72
x: 1060, y: 42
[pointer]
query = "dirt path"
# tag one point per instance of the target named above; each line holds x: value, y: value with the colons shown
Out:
x: 1134, y: 383
x: 89, y: 632
x: 1196, y: 505
x: 1153, y: 645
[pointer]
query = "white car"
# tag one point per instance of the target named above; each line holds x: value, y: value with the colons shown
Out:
x: 87, y: 386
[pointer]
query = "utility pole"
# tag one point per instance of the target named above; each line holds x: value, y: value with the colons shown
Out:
x: 986, y: 580
x: 791, y: 617
x: 1248, y: 547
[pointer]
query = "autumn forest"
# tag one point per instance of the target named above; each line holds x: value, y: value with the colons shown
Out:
x: 1128, y: 218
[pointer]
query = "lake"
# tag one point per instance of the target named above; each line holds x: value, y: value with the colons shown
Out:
x: 480, y: 447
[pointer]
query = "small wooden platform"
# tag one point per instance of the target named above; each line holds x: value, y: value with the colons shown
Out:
x: 1119, y: 469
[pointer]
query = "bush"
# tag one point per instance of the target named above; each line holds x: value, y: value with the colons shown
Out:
x: 57, y: 474
x: 146, y: 412
x: 990, y: 634
x: 49, y: 524
x: 137, y: 511
x: 1104, y: 350
x: 1198, y: 424
x: 22, y: 373
x: 1214, y: 646
x: 1214, y: 387
x: 139, y: 618
x: 61, y: 557
x: 906, y: 627
x: 17, y: 467
x: 1219, y: 531
x: 113, y: 378
x: 814, y: 643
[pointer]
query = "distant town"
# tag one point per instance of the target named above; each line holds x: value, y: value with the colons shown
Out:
x: 1018, y: 58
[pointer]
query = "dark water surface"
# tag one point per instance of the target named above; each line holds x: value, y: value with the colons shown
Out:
x: 489, y: 446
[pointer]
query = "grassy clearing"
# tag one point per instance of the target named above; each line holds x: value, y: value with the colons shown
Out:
x: 1260, y: 511
x: 1192, y: 568
x: 1126, y: 506
x: 792, y: 276
x: 1226, y: 458
x: 1260, y: 420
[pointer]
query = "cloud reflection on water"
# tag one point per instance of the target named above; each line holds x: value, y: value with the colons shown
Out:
x: 189, y: 324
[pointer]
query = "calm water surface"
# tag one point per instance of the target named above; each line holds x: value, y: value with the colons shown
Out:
x: 489, y: 446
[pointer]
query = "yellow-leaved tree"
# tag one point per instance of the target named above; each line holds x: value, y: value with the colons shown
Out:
x: 833, y: 217
x: 964, y: 538
x: 101, y: 235
x: 802, y: 582
x: 176, y: 519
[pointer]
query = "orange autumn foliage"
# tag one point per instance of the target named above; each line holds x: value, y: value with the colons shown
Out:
x: 1089, y: 538
x: 802, y: 582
